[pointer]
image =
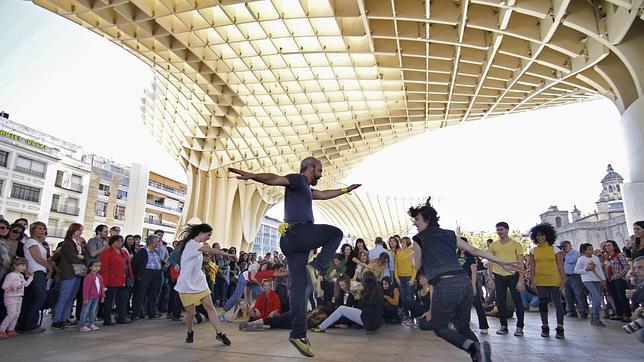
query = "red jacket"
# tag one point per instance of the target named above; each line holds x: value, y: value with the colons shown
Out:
x: 267, y: 305
x: 89, y: 286
x: 113, y: 267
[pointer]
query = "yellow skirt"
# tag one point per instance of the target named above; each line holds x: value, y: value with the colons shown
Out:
x: 193, y: 298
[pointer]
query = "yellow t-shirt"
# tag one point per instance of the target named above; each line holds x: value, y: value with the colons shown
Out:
x: 403, y: 265
x: 506, y: 252
x: 546, y: 273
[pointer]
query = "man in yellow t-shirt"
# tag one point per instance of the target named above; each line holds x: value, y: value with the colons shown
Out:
x: 508, y: 250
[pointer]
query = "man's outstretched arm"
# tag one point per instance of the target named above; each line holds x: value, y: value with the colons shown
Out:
x: 329, y: 194
x: 270, y: 179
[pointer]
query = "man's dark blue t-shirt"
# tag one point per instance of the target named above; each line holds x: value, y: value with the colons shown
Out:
x: 298, y: 200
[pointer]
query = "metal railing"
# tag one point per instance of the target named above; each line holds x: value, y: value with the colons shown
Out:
x: 166, y: 188
x: 119, y: 217
x: 153, y: 221
x: 70, y: 186
x: 56, y: 232
x: 66, y: 209
x: 100, y: 213
x: 29, y: 171
x: 161, y: 205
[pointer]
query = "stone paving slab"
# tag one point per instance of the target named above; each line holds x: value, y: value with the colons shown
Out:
x: 163, y: 340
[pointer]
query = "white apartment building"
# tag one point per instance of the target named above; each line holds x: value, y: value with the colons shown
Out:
x: 133, y: 198
x: 41, y: 178
x: 267, y: 238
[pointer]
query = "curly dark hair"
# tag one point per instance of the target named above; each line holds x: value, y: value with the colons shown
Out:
x: 546, y: 229
x: 430, y: 215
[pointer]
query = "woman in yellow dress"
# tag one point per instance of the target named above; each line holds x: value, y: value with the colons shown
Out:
x: 547, y: 274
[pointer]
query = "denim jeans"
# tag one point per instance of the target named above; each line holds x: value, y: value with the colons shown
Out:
x: 502, y: 283
x: 88, y: 313
x: 406, y: 294
x: 575, y: 294
x: 452, y: 303
x: 66, y: 297
x: 34, y: 299
x: 239, y: 290
x: 353, y: 314
x: 529, y: 299
x: 296, y: 245
x: 595, y: 290
x: 547, y: 294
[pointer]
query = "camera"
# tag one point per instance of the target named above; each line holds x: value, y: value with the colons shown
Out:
x: 634, y: 326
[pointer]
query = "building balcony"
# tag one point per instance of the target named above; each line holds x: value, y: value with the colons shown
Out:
x: 119, y: 217
x: 100, y: 213
x: 70, y: 186
x: 166, y: 188
x: 56, y: 232
x: 66, y: 209
x: 29, y: 171
x: 163, y: 206
x: 158, y: 222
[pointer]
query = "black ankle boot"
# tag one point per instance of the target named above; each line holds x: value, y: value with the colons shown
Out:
x: 190, y: 336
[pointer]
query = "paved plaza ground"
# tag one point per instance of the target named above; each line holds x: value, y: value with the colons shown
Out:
x: 162, y: 340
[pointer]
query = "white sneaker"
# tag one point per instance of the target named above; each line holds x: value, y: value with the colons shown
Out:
x: 85, y: 329
x: 93, y: 327
x: 484, y: 331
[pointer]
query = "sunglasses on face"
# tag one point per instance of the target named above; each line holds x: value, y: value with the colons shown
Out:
x: 2, y: 227
x: 16, y: 231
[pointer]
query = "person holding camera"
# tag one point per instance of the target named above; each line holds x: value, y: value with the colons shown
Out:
x: 637, y: 295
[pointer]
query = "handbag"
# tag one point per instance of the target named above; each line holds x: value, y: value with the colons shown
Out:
x: 80, y: 270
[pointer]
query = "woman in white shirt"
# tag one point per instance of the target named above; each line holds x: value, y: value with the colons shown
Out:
x: 592, y: 275
x: 191, y: 284
x: 37, y: 264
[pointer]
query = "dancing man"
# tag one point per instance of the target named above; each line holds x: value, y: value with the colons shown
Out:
x: 300, y: 236
x: 434, y: 250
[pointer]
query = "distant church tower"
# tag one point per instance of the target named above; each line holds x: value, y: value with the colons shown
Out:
x: 555, y: 217
x: 610, y: 199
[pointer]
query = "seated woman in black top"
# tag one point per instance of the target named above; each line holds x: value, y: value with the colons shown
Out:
x: 369, y: 307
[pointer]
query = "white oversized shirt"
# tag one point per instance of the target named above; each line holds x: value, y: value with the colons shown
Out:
x: 191, y: 278
x: 589, y: 276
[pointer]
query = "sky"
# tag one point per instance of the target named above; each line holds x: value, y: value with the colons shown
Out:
x: 69, y: 82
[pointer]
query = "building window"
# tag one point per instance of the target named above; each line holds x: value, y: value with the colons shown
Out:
x: 558, y: 222
x: 59, y: 178
x: 105, y: 189
x: 119, y: 212
x: 55, y: 202
x: 101, y: 208
x: 1, y: 187
x: 121, y: 195
x: 618, y: 189
x: 4, y: 158
x: 32, y: 167
x: 24, y: 192
x: 106, y: 175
